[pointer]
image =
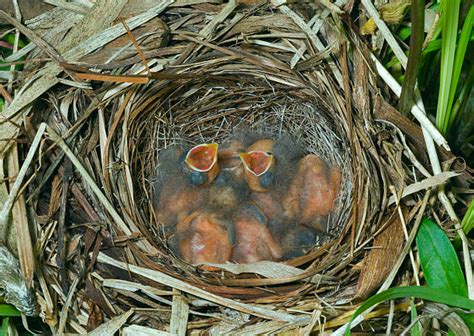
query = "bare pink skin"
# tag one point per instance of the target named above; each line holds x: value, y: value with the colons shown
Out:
x: 269, y: 202
x: 254, y: 240
x: 313, y: 190
x: 203, y: 238
x: 176, y: 201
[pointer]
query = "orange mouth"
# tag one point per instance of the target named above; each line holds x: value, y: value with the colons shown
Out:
x: 202, y: 157
x: 257, y: 162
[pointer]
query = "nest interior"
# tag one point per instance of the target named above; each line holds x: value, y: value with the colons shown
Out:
x: 214, y: 68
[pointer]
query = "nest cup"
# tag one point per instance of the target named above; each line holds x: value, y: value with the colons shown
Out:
x: 211, y: 107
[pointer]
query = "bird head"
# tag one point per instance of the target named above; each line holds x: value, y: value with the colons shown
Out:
x: 258, y: 169
x: 201, y: 162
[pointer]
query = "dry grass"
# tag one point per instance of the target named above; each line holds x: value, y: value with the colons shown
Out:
x: 199, y: 71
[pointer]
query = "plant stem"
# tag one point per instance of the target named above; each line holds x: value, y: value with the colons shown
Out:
x: 416, y: 46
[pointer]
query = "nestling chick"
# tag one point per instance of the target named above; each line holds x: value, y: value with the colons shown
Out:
x: 259, y: 164
x: 270, y: 188
x: 205, y: 237
x: 179, y: 189
x: 313, y: 191
x: 229, y: 188
x: 254, y: 240
x: 201, y: 163
x: 298, y: 240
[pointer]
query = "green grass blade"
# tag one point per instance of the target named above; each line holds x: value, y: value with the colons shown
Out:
x: 449, y: 27
x: 415, y: 330
x: 435, y: 45
x: 464, y: 40
x: 438, y: 259
x: 424, y: 293
x: 468, y: 219
x: 4, y: 330
x: 8, y: 310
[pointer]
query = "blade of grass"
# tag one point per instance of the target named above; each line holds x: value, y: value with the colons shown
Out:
x: 4, y: 330
x: 464, y: 40
x: 8, y: 310
x: 424, y: 293
x: 415, y: 330
x: 449, y: 26
x: 468, y: 219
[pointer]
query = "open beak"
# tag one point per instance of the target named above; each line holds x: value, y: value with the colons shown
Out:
x: 257, y: 162
x: 203, y: 159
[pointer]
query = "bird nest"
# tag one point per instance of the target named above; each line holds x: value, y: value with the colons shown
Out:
x: 211, y: 69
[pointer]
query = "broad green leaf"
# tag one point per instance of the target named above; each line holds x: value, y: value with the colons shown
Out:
x: 440, y: 263
x: 438, y: 259
x: 449, y: 27
x: 424, y: 293
x: 8, y: 310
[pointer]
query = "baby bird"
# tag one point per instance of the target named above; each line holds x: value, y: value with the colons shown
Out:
x: 180, y: 186
x: 201, y: 163
x: 254, y: 241
x: 229, y: 188
x: 269, y: 174
x: 205, y: 236
x: 312, y: 192
x: 259, y: 164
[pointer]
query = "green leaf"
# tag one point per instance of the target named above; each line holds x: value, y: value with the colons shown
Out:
x: 459, y: 61
x: 438, y: 259
x: 415, y: 330
x: 4, y: 330
x: 468, y: 219
x: 10, y: 38
x: 8, y: 310
x: 424, y: 293
x: 440, y: 263
x: 404, y: 33
x: 449, y: 27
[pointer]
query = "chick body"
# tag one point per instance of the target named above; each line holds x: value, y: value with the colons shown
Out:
x: 181, y: 185
x: 205, y: 237
x: 313, y: 191
x: 254, y: 241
